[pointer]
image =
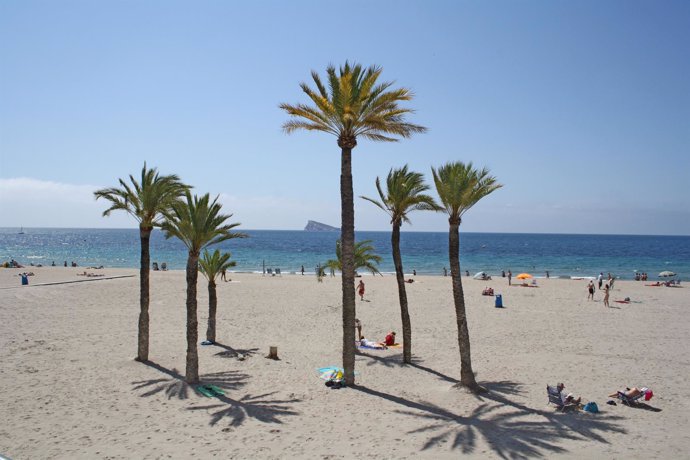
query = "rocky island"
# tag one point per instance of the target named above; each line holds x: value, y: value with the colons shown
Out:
x: 313, y: 226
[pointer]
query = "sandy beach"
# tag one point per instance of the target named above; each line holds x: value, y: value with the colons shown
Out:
x: 71, y: 389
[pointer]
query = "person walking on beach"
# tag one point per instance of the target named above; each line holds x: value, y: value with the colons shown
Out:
x: 222, y: 275
x: 601, y: 279
x: 445, y: 271
x: 510, y: 277
x: 606, y: 295
x: 360, y: 290
x: 590, y: 288
x: 302, y: 270
x: 611, y: 282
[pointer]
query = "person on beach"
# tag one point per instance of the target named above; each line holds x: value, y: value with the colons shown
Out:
x: 601, y: 279
x: 445, y: 271
x: 369, y: 344
x: 503, y: 273
x: 567, y: 398
x: 547, y: 274
x: 360, y: 290
x: 390, y: 339
x: 629, y: 393
x: 606, y: 295
x: 611, y: 282
x: 590, y: 288
x: 222, y: 275
x: 467, y: 273
x: 510, y: 277
x: 414, y: 272
x: 358, y: 326
x: 302, y: 270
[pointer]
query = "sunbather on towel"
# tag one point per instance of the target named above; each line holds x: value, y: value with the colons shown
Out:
x: 369, y: 344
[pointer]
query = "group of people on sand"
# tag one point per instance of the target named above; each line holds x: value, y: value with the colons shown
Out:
x: 388, y: 341
x: 640, y: 276
x: 627, y: 394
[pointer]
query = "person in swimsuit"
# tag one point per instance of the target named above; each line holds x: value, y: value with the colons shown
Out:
x: 360, y: 289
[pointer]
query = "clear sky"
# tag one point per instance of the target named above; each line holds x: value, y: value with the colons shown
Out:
x: 581, y: 109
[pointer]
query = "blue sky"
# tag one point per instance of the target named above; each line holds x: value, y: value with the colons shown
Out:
x: 581, y: 109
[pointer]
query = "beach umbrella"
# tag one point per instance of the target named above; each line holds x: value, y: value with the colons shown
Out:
x: 666, y: 274
x: 480, y: 275
x: 523, y: 276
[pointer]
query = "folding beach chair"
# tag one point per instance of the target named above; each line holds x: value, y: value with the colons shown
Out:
x: 278, y: 272
x: 555, y: 399
x: 632, y: 400
x: 269, y: 271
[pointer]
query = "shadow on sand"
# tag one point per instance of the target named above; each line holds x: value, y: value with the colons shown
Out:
x: 230, y: 352
x: 260, y: 407
x: 512, y: 430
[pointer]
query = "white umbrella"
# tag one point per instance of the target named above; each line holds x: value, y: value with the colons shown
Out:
x: 666, y: 274
x: 480, y: 275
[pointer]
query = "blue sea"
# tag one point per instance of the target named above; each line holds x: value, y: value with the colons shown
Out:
x: 425, y: 252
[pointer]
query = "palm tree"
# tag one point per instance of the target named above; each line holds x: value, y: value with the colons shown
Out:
x: 211, y: 265
x: 352, y: 105
x: 148, y: 201
x: 364, y: 258
x: 197, y: 222
x: 404, y: 194
x: 460, y: 187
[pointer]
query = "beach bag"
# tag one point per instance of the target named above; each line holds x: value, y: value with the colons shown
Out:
x: 591, y: 407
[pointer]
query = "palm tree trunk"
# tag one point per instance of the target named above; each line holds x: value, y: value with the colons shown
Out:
x: 347, y: 237
x: 192, y: 369
x: 467, y: 379
x: 402, y: 294
x: 212, y: 306
x: 145, y: 262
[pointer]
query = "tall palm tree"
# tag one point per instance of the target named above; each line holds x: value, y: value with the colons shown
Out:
x: 148, y: 201
x: 352, y: 105
x: 404, y: 194
x: 196, y: 222
x: 212, y: 265
x: 460, y: 187
x: 364, y: 257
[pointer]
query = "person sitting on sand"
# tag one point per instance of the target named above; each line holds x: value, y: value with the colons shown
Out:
x: 488, y: 291
x: 567, y: 398
x: 390, y: 339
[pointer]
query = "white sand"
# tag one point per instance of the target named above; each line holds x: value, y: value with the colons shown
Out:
x: 70, y: 388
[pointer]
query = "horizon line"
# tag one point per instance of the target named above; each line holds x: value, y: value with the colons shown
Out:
x: 378, y: 231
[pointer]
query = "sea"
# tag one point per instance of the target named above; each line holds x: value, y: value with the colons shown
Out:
x: 424, y: 252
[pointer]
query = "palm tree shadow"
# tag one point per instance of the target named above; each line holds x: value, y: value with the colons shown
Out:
x: 258, y: 407
x: 231, y: 352
x: 509, y: 433
x: 386, y: 359
x: 174, y: 386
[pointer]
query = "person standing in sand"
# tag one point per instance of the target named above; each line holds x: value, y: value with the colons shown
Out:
x: 360, y: 290
x: 358, y: 326
x: 606, y: 295
x: 510, y: 277
x: 601, y: 279
x: 590, y: 288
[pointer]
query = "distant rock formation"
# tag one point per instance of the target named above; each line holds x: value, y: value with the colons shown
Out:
x: 313, y: 226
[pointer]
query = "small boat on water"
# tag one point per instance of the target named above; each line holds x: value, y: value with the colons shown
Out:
x: 21, y: 231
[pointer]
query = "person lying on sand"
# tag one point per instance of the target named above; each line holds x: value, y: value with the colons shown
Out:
x: 369, y: 344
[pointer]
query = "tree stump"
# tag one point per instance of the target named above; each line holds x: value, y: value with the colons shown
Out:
x: 272, y: 353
